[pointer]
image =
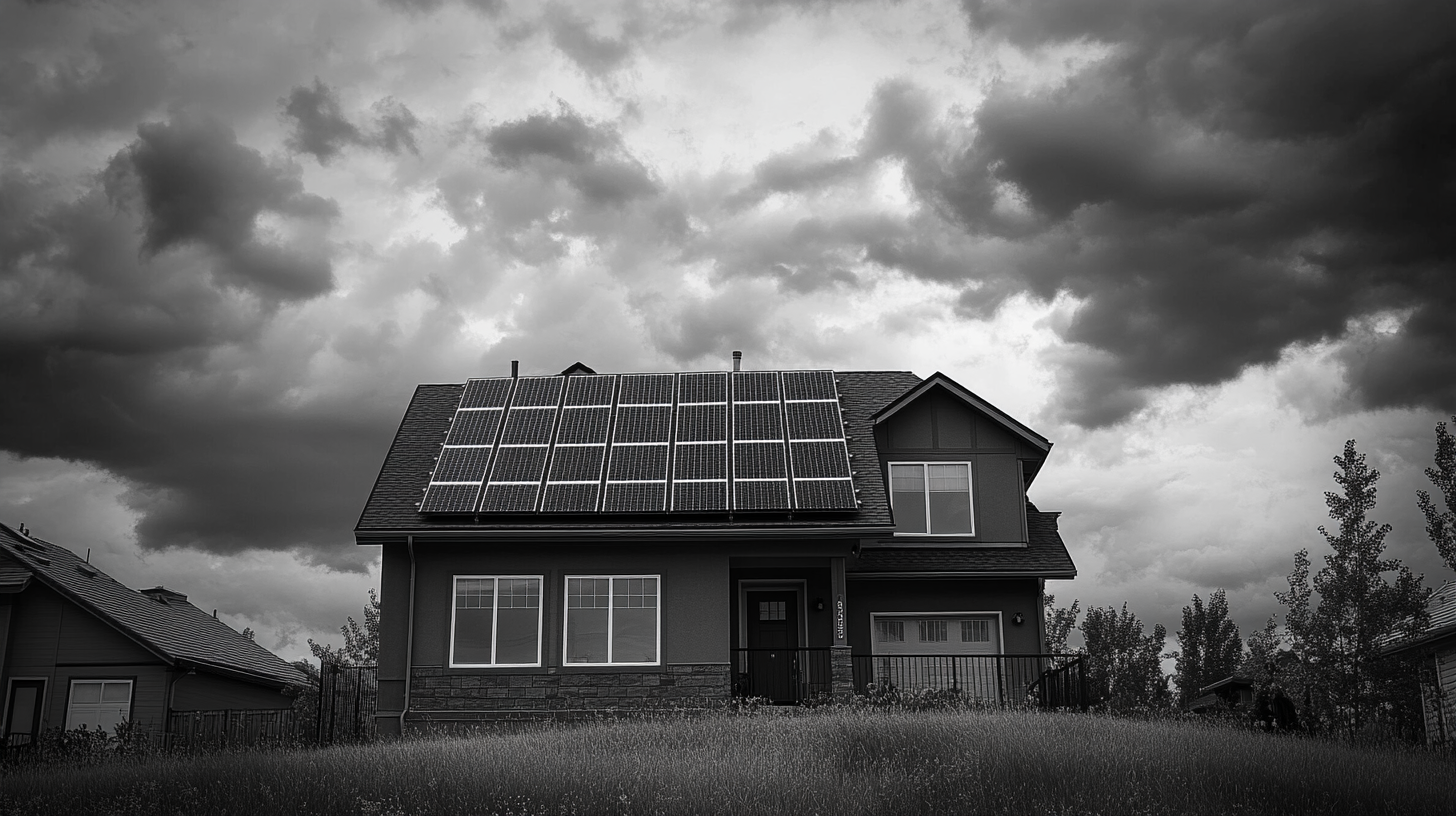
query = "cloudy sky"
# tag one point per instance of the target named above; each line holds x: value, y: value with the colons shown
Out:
x: 1196, y: 244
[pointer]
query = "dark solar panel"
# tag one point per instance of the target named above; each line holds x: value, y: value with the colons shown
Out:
x: 473, y: 428
x: 801, y: 385
x: 755, y: 385
x: 635, y: 498
x: 817, y: 460
x: 700, y: 462
x: 699, y: 496
x: 706, y: 387
x: 833, y: 494
x: 537, y: 391
x: 461, y: 465
x: 587, y: 389
x: 761, y: 495
x: 702, y: 423
x: 518, y: 465
x: 637, y: 424
x: 636, y: 462
x: 584, y: 425
x: 509, y: 498
x: 570, y: 498
x: 758, y: 460
x: 814, y: 420
x: 757, y: 421
x: 577, y: 464
x: 646, y: 389
x: 490, y: 393
x: 528, y: 426
x: 450, y: 498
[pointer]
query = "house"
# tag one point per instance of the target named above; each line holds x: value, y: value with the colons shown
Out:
x: 78, y: 649
x: 1230, y: 692
x: 571, y: 543
x: 1434, y: 655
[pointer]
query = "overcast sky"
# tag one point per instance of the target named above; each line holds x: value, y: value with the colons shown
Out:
x: 1198, y: 245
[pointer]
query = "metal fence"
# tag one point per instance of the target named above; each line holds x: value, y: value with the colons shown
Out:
x: 782, y: 675
x: 1041, y: 681
x: 347, y: 698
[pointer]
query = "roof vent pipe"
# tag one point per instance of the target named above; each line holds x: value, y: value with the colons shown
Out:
x: 515, y: 369
x: 737, y: 360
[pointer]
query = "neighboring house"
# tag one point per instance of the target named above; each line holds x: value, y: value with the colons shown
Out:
x: 580, y: 542
x: 79, y: 649
x: 1434, y: 653
x: 1231, y: 692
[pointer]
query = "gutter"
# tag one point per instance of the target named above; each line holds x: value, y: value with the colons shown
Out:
x: 409, y: 637
x: 960, y: 574
x: 505, y: 534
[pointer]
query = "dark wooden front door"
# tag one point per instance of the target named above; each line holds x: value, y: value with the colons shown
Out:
x: 22, y: 711
x: 773, y: 641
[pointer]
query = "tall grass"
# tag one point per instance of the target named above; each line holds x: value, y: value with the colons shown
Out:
x: 834, y: 762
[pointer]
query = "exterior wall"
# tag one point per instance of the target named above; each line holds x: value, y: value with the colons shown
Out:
x: 209, y: 692
x: 1439, y: 700
x: 1007, y: 596
x: 939, y: 427
x: 54, y: 639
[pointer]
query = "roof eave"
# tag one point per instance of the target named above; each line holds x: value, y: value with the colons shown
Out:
x: 379, y: 536
x: 970, y: 398
x: 1053, y: 574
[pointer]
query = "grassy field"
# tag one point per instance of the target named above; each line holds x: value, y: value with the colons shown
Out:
x: 838, y: 762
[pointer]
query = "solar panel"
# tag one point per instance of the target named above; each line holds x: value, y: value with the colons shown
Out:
x: 573, y: 480
x: 584, y: 426
x: 818, y: 453
x: 590, y: 389
x: 758, y: 421
x: 759, y: 460
x: 577, y: 464
x: 700, y: 462
x: 489, y: 393
x: 450, y: 498
x: 702, y: 423
x: 756, y: 386
x: 818, y: 460
x: 635, y: 463
x: 641, y: 445
x: 700, y: 448
x: 810, y: 385
x: 704, y: 387
x: 761, y: 495
x: 570, y: 498
x: 509, y: 498
x: 699, y: 496
x: 537, y: 391
x: 474, y: 427
x: 460, y: 469
x: 643, y: 424
x: 635, y: 497
x: 646, y: 389
x: 462, y: 464
x: 814, y: 420
x: 825, y: 494
x: 520, y: 464
x: 529, y: 425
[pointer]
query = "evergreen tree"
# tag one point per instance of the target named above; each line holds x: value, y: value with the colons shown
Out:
x: 1209, y: 646
x: 1338, y: 640
x: 1260, y: 661
x: 1441, y: 525
x: 1124, y: 666
x: 1059, y: 624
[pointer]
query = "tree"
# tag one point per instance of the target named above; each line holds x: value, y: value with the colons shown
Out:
x: 361, y: 643
x: 1338, y: 640
x: 1124, y: 666
x: 1260, y: 661
x: 1059, y: 624
x: 1209, y: 646
x: 1441, y: 526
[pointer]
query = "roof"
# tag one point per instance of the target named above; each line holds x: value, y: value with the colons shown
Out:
x: 1441, y: 607
x: 393, y: 505
x: 1044, y: 556
x: 175, y: 631
x: 970, y: 398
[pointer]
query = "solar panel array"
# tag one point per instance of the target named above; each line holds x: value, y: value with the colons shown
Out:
x: 704, y: 442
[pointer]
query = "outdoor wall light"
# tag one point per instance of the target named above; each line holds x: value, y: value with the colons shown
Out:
x: 1018, y: 619
x: 819, y: 604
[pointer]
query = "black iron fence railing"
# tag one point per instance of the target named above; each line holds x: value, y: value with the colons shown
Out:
x: 1041, y: 680
x: 782, y: 675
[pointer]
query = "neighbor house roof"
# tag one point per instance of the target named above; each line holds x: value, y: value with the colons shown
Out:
x: 166, y: 625
x: 1441, y: 607
x: 393, y: 504
x: 1044, y: 556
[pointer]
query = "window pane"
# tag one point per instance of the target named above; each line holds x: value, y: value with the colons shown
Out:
x: 907, y: 478
x: 587, y: 593
x: 86, y: 693
x: 472, y: 635
x: 474, y: 593
x: 949, y: 479
x: 586, y: 635
x: 110, y: 715
x: 517, y: 635
x: 635, y: 637
x: 116, y: 692
x: 932, y: 631
x: 890, y: 631
x: 976, y: 631
x: 520, y: 593
x: 950, y: 499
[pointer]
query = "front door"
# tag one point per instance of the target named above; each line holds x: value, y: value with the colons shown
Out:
x: 22, y: 711
x: 773, y: 641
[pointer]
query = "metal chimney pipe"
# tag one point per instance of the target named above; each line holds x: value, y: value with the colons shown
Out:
x: 737, y: 360
x: 515, y: 369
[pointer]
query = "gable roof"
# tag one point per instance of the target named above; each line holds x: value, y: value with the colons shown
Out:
x: 1441, y: 607
x: 1044, y: 556
x: 392, y: 508
x: 176, y: 631
x: 960, y: 392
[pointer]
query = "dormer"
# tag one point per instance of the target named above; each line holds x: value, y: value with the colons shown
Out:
x: 162, y: 595
x: 956, y: 466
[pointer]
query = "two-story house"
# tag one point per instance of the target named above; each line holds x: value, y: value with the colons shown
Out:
x: 572, y: 543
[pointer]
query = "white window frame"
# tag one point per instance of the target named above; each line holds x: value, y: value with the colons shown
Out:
x: 71, y: 696
x: 495, y: 620
x: 925, y: 474
x: 611, y: 615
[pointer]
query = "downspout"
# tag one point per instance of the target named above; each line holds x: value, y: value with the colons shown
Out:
x: 171, y: 697
x: 409, y: 637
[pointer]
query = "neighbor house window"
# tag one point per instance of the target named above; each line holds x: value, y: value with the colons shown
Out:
x: 98, y: 704
x: 931, y: 498
x: 932, y: 631
x: 497, y: 621
x: 890, y: 631
x: 612, y: 620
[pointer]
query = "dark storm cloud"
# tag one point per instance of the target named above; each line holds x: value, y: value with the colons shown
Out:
x: 129, y: 322
x: 595, y: 54
x: 1230, y: 180
x: 321, y: 129
x: 564, y: 146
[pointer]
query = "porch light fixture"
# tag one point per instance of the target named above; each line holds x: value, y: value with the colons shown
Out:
x: 1018, y: 619
x: 819, y: 604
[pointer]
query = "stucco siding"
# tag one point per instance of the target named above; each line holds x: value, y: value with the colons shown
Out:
x: 206, y: 692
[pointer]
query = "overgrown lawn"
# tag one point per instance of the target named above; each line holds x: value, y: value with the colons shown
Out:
x: 835, y: 762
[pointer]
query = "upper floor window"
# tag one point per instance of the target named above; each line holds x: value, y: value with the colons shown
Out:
x: 612, y: 620
x: 497, y: 621
x: 931, y: 498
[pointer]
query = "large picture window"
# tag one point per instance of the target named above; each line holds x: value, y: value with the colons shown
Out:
x: 931, y: 498
x: 612, y: 620
x: 497, y: 621
x: 98, y: 704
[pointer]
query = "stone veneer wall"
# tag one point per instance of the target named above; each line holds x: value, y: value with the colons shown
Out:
x: 437, y: 694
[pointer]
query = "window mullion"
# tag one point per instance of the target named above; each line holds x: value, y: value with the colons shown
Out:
x: 611, y: 610
x: 925, y: 486
x: 494, y: 615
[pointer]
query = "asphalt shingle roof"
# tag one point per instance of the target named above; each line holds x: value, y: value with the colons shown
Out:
x: 176, y: 630
x: 393, y: 504
x: 1045, y: 555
